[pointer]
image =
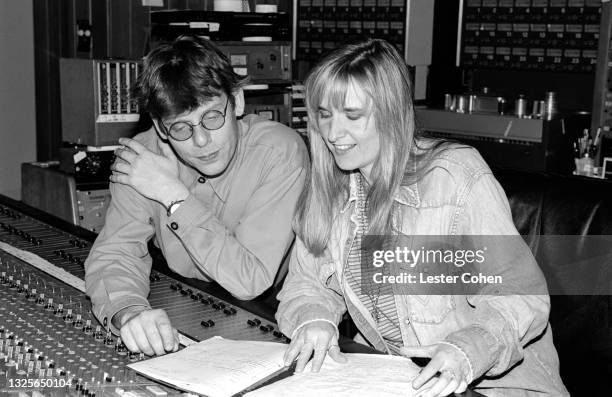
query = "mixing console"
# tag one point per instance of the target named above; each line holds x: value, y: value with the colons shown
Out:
x: 50, y: 342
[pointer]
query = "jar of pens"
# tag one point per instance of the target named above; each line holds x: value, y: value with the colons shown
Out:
x: 585, y: 151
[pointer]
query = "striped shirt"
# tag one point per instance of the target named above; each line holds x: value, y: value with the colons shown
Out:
x: 377, y: 298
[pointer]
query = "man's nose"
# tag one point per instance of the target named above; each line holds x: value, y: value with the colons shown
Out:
x: 201, y: 136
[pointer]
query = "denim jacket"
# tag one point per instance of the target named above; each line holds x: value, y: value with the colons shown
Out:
x: 506, y: 337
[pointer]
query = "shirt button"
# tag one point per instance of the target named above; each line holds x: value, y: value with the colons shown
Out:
x: 174, y: 225
x: 407, y: 321
x: 201, y: 179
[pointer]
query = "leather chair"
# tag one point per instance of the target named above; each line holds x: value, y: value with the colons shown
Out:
x: 545, y: 205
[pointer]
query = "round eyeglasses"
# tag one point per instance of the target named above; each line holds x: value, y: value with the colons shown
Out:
x: 182, y: 130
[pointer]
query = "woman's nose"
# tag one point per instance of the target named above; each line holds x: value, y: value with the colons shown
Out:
x: 201, y: 136
x: 336, y: 129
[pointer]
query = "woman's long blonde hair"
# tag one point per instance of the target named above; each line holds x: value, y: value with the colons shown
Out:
x: 376, y: 67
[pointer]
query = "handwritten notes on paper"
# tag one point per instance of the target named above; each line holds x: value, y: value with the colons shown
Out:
x: 363, y: 375
x: 220, y: 367
x: 216, y: 367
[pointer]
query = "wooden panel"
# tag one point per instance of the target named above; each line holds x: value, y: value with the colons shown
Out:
x: 67, y: 26
x: 119, y: 28
x: 127, y: 29
x: 99, y: 25
x: 141, y: 23
x: 47, y: 50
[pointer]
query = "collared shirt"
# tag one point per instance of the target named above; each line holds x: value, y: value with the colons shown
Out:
x: 504, y: 335
x: 234, y: 228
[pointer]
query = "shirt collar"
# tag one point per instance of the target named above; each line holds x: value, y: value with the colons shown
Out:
x: 352, y: 192
x: 220, y: 185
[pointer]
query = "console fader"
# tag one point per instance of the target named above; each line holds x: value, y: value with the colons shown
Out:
x: 50, y: 342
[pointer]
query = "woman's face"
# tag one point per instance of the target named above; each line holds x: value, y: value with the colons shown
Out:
x: 350, y: 133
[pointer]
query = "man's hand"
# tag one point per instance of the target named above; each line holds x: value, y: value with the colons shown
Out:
x: 154, y: 176
x: 148, y: 331
x: 318, y: 336
x: 447, y: 361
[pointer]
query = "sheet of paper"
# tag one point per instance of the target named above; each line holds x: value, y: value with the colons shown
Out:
x: 363, y: 375
x: 215, y: 367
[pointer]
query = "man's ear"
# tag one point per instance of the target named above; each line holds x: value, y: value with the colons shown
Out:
x: 239, y: 102
x: 159, y: 130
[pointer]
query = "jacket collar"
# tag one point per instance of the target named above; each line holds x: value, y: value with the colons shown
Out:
x: 406, y: 194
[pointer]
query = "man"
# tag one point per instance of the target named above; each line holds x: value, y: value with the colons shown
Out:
x: 216, y: 192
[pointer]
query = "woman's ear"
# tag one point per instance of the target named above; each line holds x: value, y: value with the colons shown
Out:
x: 239, y: 102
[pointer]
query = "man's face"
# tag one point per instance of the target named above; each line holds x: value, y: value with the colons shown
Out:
x: 209, y: 151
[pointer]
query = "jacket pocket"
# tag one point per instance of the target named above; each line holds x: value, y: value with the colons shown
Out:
x: 429, y: 309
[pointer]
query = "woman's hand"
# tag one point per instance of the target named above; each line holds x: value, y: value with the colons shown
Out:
x: 318, y: 337
x: 447, y: 360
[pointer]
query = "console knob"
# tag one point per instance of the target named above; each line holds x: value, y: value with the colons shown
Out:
x: 49, y: 305
x: 78, y: 322
x: 68, y: 317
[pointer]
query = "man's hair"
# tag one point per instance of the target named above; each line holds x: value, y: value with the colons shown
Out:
x: 376, y: 67
x: 180, y: 76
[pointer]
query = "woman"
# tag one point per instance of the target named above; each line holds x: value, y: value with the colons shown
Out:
x: 372, y: 173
